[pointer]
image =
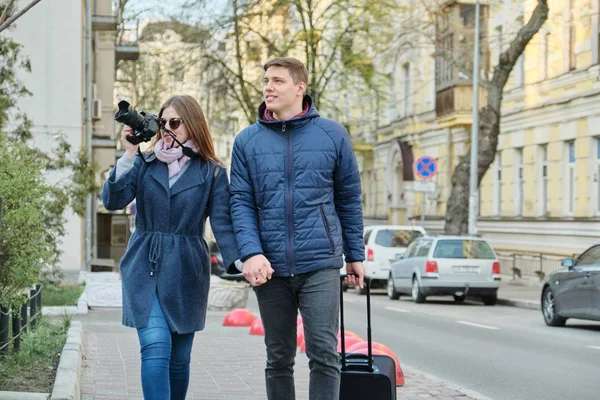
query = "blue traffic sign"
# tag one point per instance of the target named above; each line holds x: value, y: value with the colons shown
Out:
x: 425, y: 167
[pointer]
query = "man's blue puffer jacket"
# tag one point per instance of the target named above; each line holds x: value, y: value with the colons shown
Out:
x: 296, y: 194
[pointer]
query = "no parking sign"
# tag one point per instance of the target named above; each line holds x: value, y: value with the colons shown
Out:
x: 425, y: 167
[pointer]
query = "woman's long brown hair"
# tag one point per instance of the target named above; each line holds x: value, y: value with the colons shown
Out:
x: 191, y: 113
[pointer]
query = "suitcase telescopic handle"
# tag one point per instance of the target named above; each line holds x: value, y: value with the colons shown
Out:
x: 342, y: 329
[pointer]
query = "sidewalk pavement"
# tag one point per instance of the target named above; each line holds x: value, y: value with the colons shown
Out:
x: 523, y: 293
x: 227, y: 363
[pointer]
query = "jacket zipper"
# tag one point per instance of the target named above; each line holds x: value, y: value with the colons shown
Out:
x: 289, y: 201
x: 326, y: 225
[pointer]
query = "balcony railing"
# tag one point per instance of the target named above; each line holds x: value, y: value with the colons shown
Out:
x: 457, y: 99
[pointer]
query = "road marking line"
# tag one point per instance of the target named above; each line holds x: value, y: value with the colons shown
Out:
x: 477, y: 325
x: 397, y: 309
x: 594, y: 347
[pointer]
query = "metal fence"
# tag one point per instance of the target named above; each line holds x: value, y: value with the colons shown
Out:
x: 22, y: 320
x: 529, y: 265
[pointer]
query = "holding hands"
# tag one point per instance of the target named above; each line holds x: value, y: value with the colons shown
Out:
x: 257, y: 270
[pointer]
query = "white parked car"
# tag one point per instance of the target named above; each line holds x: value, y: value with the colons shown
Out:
x: 458, y: 266
x: 384, y: 244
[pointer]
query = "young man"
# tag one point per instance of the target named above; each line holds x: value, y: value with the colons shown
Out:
x: 296, y: 207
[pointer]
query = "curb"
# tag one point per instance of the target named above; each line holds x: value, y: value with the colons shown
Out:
x: 526, y: 304
x: 67, y: 384
x: 449, y: 385
x: 23, y: 396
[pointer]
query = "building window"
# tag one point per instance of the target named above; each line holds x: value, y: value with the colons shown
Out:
x: 546, y: 53
x: 572, y: 37
x: 467, y: 14
x: 571, y: 176
x: 406, y: 73
x: 598, y: 43
x: 521, y: 69
x: 521, y: 60
x: 520, y: 180
x: 544, y: 180
x: 498, y: 183
x: 598, y: 175
x: 391, y: 108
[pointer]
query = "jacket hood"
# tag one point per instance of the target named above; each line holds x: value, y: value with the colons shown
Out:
x: 312, y: 113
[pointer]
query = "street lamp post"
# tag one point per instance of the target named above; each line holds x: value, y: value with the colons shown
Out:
x: 474, y: 130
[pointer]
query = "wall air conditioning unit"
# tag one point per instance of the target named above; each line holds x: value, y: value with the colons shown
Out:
x: 96, y: 109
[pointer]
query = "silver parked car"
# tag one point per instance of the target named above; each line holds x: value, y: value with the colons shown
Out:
x: 573, y: 291
x: 458, y: 266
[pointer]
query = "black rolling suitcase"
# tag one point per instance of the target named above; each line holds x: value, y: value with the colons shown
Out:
x: 365, y: 377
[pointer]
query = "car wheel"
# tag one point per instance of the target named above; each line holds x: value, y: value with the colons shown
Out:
x: 551, y: 317
x: 417, y: 294
x: 490, y: 300
x: 391, y: 290
x: 459, y: 299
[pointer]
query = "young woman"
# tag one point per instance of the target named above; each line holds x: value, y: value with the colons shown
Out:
x: 166, y: 269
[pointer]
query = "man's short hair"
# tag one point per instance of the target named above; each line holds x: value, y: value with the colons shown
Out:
x: 294, y: 66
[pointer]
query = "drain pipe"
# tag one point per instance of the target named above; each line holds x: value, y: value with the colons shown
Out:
x: 88, y: 128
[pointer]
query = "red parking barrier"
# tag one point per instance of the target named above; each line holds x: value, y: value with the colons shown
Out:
x: 239, y: 317
x: 299, y: 334
x: 379, y: 349
x: 256, y: 328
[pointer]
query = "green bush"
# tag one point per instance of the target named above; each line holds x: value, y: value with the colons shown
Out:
x: 33, y: 208
x: 25, y: 241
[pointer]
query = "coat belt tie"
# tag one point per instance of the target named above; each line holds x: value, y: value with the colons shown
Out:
x: 154, y: 253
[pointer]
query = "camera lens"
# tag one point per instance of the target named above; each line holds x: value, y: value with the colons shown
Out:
x: 128, y: 116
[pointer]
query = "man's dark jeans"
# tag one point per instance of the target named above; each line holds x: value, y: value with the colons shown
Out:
x: 317, y: 296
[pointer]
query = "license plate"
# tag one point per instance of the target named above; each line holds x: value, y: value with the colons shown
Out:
x: 465, y: 269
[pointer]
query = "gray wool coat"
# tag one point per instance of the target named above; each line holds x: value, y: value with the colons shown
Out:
x: 167, y: 253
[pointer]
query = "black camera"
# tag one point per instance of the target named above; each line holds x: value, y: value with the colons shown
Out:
x: 144, y: 125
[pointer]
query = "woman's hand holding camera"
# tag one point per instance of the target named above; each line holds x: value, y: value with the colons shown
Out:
x: 130, y: 149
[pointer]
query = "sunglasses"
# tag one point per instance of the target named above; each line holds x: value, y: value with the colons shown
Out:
x: 174, y: 123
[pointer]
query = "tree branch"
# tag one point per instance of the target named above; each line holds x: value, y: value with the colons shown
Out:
x: 18, y: 15
x: 7, y: 10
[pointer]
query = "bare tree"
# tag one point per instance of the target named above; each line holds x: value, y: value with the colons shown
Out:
x: 456, y: 220
x: 336, y: 39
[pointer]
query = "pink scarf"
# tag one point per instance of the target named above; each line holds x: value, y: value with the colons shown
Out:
x: 174, y: 157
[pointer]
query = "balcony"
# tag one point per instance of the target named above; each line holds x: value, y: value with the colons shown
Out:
x: 127, y: 52
x: 457, y: 99
x: 104, y: 23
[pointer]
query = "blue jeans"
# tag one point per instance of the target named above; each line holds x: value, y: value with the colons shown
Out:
x: 165, y: 358
x: 317, y: 296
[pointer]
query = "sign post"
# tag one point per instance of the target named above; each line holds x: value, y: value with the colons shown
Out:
x: 425, y: 168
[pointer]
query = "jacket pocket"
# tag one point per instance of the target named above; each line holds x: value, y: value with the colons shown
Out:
x: 326, y: 226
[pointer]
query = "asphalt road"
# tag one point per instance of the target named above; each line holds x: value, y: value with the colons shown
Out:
x: 501, y: 352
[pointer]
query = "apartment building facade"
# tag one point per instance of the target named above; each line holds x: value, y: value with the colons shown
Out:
x: 542, y: 193
x: 53, y: 36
